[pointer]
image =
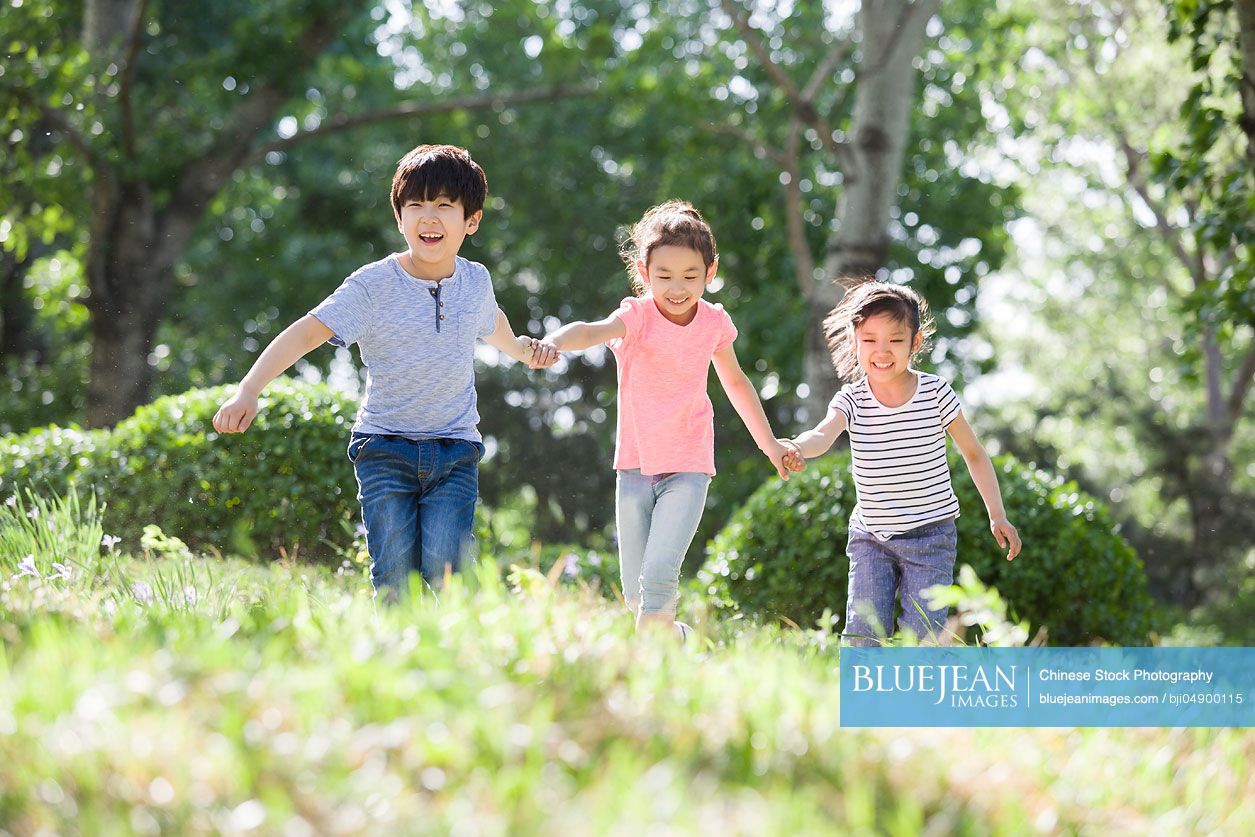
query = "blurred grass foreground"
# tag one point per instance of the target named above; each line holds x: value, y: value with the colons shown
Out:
x: 167, y: 692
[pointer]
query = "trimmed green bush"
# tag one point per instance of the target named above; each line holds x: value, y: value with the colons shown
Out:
x: 285, y: 484
x: 46, y: 459
x: 783, y: 553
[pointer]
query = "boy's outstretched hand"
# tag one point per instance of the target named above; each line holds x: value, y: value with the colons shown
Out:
x: 236, y: 414
x: 1006, y: 536
x: 793, y: 459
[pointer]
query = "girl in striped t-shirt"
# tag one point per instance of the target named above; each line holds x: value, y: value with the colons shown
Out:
x: 902, y: 532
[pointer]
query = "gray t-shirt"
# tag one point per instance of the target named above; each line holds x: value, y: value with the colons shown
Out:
x: 417, y: 340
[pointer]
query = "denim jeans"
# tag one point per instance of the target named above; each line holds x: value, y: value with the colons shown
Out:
x: 657, y: 517
x: 911, y: 563
x: 418, y: 504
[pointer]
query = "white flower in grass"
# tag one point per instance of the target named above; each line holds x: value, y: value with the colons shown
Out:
x: 572, y: 564
x: 594, y: 559
x: 109, y: 541
x: 142, y: 593
x: 60, y: 571
x: 27, y: 567
x: 33, y: 514
x: 11, y: 500
x: 190, y: 595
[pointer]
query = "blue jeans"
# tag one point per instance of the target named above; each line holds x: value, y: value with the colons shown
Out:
x: 418, y: 504
x: 911, y: 563
x: 657, y: 517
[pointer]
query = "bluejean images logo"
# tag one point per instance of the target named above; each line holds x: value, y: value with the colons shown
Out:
x: 981, y: 686
x: 1006, y: 687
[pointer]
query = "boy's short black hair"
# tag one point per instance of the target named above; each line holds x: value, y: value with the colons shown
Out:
x: 432, y: 170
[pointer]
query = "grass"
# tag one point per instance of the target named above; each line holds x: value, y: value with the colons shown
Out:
x: 173, y: 693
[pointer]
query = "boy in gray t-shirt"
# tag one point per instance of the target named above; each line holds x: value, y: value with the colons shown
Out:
x: 415, y: 317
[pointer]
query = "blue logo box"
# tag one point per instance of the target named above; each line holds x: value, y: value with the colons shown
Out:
x: 1047, y: 687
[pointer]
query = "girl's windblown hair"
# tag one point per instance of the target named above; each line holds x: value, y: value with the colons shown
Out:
x: 865, y: 298
x: 674, y: 223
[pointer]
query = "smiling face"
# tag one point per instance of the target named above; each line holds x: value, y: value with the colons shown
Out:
x: 676, y: 277
x: 434, y: 228
x: 884, y: 345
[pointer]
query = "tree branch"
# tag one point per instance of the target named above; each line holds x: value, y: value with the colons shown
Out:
x: 756, y: 45
x: 1241, y: 384
x: 801, y: 104
x: 127, y: 82
x: 760, y: 148
x: 60, y: 121
x: 826, y: 67
x: 795, y: 219
x: 205, y: 176
x: 345, y: 123
x: 1170, y: 234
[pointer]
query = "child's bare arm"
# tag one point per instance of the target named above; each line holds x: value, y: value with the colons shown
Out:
x: 986, y: 480
x: 537, y: 354
x: 744, y: 399
x: 296, y: 341
x: 573, y: 337
x: 820, y: 438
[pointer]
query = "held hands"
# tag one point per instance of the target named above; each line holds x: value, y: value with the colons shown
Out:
x: 1006, y: 536
x: 776, y: 452
x: 236, y: 413
x: 542, y: 353
x: 793, y: 459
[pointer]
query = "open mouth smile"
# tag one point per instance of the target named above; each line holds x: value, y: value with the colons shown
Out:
x: 431, y: 237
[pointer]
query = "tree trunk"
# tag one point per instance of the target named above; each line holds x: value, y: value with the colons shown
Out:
x: 879, y: 129
x: 17, y: 315
x: 1212, y: 521
x: 130, y: 278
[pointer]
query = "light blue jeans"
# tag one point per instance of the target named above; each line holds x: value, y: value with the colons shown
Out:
x: 657, y: 517
x: 908, y: 563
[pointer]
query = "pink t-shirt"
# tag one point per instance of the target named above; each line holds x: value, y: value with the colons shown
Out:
x: 666, y: 421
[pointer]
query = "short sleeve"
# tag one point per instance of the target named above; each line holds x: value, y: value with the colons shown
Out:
x: 948, y: 405
x: 630, y: 314
x: 347, y: 312
x: 843, y: 401
x: 488, y: 316
x: 727, y: 331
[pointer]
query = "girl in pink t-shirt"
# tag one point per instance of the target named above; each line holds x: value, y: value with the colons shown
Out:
x: 665, y: 339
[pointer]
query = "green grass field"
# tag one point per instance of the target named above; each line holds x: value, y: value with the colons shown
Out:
x: 172, y: 693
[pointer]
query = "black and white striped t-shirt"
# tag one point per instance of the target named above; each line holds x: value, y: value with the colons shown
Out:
x: 900, y: 471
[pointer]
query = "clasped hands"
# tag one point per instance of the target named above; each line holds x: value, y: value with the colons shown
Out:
x: 543, y: 353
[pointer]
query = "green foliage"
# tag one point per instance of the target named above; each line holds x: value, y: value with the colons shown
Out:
x: 1208, y: 168
x: 281, y: 487
x: 783, y: 554
x: 46, y: 460
x: 977, y: 605
x: 46, y: 366
x: 573, y: 566
x: 1130, y: 286
x: 207, y: 696
x: 50, y: 536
